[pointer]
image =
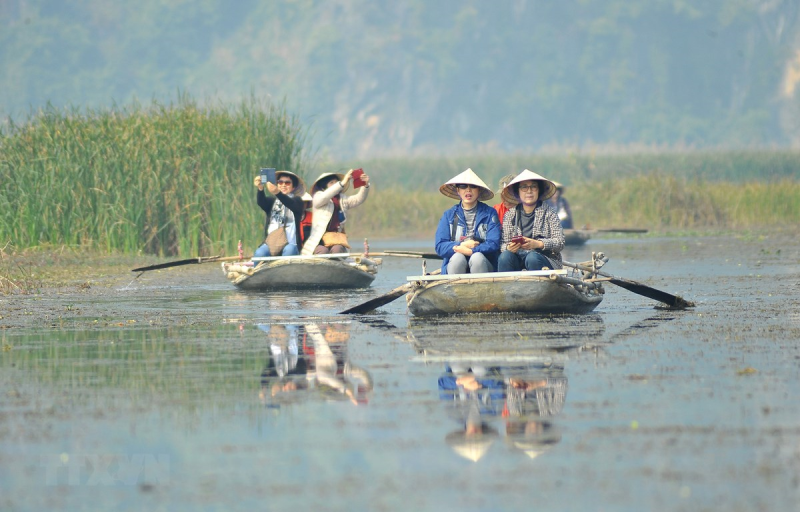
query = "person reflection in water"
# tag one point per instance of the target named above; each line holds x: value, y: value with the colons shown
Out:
x: 525, y: 398
x: 334, y: 371
x: 313, y: 358
x: 286, y: 367
x: 474, y: 392
x: 530, y: 405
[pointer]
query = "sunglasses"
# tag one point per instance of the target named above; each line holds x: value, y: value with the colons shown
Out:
x: 285, y: 182
x: 462, y: 186
x: 526, y: 188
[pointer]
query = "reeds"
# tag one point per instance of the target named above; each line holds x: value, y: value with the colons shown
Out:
x: 161, y: 179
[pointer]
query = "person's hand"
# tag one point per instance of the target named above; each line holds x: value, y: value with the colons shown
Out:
x: 468, y: 382
x: 257, y: 183
x: 529, y: 244
x: 347, y: 177
x: 471, y: 244
x: 466, y: 251
x: 511, y: 246
x: 365, y: 179
x: 532, y: 244
x: 273, y: 189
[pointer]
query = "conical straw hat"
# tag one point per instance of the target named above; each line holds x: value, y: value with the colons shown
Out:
x: 325, y: 175
x: 471, y: 448
x: 467, y: 177
x: 300, y: 189
x: 547, y: 186
x: 505, y: 180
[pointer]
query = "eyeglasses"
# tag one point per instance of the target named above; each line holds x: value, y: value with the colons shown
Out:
x: 285, y: 182
x: 462, y: 186
x: 527, y: 188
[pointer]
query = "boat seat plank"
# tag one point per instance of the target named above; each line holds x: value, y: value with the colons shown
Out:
x: 485, y: 275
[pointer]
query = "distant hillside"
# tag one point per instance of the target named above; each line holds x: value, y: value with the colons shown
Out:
x: 418, y: 76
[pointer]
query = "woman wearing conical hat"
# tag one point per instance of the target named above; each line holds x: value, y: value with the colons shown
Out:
x: 329, y: 209
x: 283, y: 208
x: 561, y: 206
x: 468, y: 235
x: 532, y: 219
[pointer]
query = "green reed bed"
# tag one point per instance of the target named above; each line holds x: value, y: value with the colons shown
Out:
x: 160, y: 179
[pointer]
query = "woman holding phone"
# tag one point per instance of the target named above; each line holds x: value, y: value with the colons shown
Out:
x: 329, y: 211
x: 532, y: 234
x: 284, y: 209
x: 468, y: 235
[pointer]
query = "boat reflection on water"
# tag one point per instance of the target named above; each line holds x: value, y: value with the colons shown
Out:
x: 505, y: 386
x: 311, y: 361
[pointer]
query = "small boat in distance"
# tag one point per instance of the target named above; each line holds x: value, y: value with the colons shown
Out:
x: 303, y: 272
x: 576, y: 237
x: 539, y: 291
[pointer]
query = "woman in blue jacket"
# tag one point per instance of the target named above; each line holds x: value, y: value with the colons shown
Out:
x: 468, y: 236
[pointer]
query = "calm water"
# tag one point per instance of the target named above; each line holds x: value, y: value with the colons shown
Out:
x: 177, y: 392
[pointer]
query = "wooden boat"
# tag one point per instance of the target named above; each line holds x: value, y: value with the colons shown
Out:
x: 302, y: 272
x: 541, y: 291
x: 576, y: 237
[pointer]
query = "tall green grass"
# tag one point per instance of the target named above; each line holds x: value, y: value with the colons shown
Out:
x: 160, y: 179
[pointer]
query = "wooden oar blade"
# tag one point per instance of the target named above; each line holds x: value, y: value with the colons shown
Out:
x: 190, y: 261
x: 373, y: 304
x: 673, y: 301
x: 166, y: 265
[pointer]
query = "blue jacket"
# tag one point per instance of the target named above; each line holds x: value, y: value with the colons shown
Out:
x: 487, y: 231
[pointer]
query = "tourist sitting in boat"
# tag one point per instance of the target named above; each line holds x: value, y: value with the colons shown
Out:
x: 503, y: 206
x: 329, y: 209
x: 561, y: 206
x: 284, y: 209
x: 468, y: 235
x: 532, y: 234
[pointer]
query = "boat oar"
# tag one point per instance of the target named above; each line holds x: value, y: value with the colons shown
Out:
x: 411, y: 254
x: 673, y: 301
x: 619, y: 230
x: 190, y: 261
x: 382, y: 300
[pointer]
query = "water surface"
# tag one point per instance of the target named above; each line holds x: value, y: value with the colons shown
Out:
x: 176, y: 391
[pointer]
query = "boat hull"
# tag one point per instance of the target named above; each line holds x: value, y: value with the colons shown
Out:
x: 576, y: 236
x: 534, y: 294
x: 305, y: 273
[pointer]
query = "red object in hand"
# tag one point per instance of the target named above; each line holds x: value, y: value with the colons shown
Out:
x: 357, y: 181
x: 519, y: 239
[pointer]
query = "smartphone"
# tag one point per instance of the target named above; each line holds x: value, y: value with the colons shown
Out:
x: 519, y: 239
x: 268, y: 175
x: 357, y: 181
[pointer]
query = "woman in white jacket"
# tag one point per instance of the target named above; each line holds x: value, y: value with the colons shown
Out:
x: 329, y: 208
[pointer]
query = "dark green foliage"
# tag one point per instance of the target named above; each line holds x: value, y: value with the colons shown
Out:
x: 164, y: 179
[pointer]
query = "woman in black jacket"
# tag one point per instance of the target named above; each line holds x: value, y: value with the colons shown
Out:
x: 284, y: 209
